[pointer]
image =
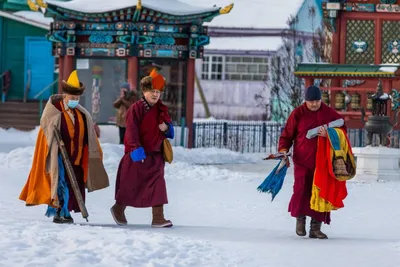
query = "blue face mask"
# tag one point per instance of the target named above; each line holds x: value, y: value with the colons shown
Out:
x: 72, y: 103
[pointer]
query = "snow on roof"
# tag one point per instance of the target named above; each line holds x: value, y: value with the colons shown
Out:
x: 173, y: 7
x: 252, y: 13
x: 245, y: 43
x: 28, y: 17
x: 34, y: 16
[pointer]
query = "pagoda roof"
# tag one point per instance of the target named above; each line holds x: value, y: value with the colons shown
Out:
x: 323, y: 70
x: 172, y: 7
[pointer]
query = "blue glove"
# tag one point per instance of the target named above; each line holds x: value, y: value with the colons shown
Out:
x: 138, y: 154
x: 170, y: 133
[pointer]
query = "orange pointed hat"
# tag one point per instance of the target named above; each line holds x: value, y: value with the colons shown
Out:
x: 158, y: 81
x: 73, y: 86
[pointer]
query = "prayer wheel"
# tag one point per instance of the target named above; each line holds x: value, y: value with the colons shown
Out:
x: 339, y: 101
x: 325, y: 97
x: 355, y: 101
x: 369, y: 101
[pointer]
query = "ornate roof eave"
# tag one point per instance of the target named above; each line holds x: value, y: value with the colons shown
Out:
x: 55, y: 11
x: 347, y: 70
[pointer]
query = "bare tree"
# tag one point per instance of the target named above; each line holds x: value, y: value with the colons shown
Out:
x: 283, y: 91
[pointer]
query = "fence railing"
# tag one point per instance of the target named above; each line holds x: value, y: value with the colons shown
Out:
x: 258, y: 137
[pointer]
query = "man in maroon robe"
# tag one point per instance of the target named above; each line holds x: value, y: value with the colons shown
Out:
x: 311, y: 114
x: 140, y: 179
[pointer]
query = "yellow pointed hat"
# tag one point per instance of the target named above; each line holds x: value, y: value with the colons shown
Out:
x: 73, y: 86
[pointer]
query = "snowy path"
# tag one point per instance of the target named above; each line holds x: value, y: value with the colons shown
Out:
x: 221, y: 222
x: 220, y: 219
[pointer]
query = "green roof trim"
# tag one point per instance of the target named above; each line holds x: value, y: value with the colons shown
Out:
x: 347, y: 70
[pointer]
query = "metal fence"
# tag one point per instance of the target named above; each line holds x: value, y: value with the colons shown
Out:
x: 258, y: 137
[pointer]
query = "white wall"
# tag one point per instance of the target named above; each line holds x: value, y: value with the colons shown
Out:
x: 230, y: 100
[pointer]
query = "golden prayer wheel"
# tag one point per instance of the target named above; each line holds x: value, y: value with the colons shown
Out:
x: 339, y: 101
x: 325, y: 97
x: 369, y: 101
x: 355, y: 101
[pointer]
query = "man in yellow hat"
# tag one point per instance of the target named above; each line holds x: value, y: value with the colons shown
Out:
x: 48, y: 182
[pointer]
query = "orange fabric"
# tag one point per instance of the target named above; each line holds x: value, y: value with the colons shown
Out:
x: 158, y: 81
x: 71, y: 132
x: 37, y: 189
x: 330, y: 189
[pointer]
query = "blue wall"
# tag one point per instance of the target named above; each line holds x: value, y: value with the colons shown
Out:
x: 305, y: 21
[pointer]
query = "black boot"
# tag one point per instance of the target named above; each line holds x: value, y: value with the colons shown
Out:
x: 315, y: 230
x: 301, y: 226
x: 62, y: 219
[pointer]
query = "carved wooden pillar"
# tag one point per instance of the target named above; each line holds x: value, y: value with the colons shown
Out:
x: 68, y: 66
x: 190, y: 99
x: 60, y: 73
x: 133, y: 72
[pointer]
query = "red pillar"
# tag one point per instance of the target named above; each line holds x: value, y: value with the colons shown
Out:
x: 308, y: 82
x: 68, y: 66
x: 133, y: 72
x: 335, y: 60
x: 60, y: 73
x: 190, y: 99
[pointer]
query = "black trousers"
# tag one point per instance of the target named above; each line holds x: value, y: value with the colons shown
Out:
x: 121, y: 134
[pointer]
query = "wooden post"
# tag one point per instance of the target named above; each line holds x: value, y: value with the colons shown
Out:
x: 336, y: 52
x: 308, y: 82
x: 60, y: 73
x: 190, y: 99
x: 133, y: 72
x: 68, y: 66
x: 387, y: 87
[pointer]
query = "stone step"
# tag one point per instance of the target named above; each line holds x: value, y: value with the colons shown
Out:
x: 19, y: 115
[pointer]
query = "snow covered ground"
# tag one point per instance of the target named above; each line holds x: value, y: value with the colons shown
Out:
x: 219, y: 219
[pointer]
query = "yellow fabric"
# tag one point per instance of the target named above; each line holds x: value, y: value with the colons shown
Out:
x: 345, y: 152
x: 73, y: 79
x: 326, y: 154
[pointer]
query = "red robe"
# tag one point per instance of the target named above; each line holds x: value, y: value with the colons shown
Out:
x: 142, y: 184
x: 304, y: 155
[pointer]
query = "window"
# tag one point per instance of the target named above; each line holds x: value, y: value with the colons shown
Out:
x: 212, y: 68
x: 237, y: 68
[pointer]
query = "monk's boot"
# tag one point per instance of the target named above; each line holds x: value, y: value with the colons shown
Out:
x: 301, y: 226
x: 118, y: 213
x: 62, y: 219
x: 315, y: 230
x: 158, y: 218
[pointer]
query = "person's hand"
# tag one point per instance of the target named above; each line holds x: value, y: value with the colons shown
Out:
x: 163, y: 127
x: 122, y: 93
x: 322, y: 131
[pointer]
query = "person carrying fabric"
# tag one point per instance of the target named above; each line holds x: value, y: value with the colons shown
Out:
x: 311, y: 114
x: 48, y: 182
x: 140, y: 179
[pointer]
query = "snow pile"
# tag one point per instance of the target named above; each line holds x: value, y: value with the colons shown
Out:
x: 388, y: 69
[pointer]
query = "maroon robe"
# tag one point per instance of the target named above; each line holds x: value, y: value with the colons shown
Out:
x: 142, y: 184
x: 304, y: 153
x: 76, y: 164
